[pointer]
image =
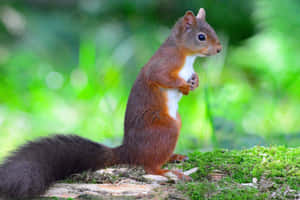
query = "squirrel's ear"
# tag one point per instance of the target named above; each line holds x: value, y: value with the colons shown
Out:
x: 188, y: 20
x: 201, y: 14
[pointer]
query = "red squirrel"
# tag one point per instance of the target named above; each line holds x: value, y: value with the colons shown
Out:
x: 152, y: 123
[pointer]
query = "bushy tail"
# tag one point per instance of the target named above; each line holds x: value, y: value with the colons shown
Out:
x: 34, y: 167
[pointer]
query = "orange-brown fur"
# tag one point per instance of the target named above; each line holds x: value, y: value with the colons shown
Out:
x: 150, y: 133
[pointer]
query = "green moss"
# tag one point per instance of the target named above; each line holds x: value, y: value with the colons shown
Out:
x: 276, y: 169
x: 217, y: 191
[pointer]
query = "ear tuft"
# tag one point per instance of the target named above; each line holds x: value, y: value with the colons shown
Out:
x: 189, y: 19
x: 201, y: 14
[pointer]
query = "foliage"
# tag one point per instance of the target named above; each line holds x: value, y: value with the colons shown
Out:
x: 68, y: 66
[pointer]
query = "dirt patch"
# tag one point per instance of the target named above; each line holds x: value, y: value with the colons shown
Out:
x: 120, y: 182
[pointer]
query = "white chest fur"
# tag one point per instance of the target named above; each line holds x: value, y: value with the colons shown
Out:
x: 175, y: 95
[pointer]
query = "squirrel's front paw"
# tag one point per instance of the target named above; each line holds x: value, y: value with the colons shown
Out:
x: 194, y: 81
x: 185, y: 89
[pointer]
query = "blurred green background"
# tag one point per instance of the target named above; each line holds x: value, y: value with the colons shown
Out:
x: 67, y: 66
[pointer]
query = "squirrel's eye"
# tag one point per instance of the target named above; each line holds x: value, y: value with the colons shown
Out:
x: 201, y: 37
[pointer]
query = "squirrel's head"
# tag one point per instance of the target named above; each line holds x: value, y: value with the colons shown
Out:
x: 196, y: 36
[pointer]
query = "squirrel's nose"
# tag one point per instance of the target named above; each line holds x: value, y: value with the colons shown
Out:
x: 219, y: 48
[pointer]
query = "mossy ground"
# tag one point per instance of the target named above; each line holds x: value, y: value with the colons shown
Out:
x: 256, y: 173
x: 259, y: 173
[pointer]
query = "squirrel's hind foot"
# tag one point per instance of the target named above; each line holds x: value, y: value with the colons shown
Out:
x: 164, y: 172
